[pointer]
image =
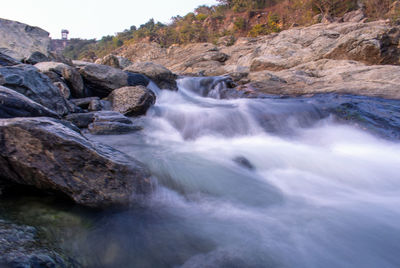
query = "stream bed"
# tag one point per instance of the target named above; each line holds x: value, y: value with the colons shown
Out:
x: 240, y: 183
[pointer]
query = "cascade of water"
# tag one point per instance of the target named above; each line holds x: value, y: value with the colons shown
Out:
x: 255, y: 183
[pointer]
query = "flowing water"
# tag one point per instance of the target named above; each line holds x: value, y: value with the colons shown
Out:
x: 252, y: 183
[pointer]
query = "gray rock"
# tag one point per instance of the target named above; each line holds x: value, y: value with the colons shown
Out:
x: 7, y: 60
x: 101, y: 80
x: 64, y: 90
x: 20, y: 247
x: 95, y: 105
x: 114, y: 61
x: 82, y: 120
x: 14, y: 104
x: 28, y: 81
x: 36, y: 57
x: 84, y: 102
x: 160, y: 75
x: 20, y: 40
x: 70, y: 74
x: 111, y: 128
x: 48, y: 155
x: 131, y: 101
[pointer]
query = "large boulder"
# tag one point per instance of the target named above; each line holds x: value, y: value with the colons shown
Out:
x: 28, y: 81
x: 20, y: 40
x: 14, y: 104
x: 132, y: 101
x: 71, y: 76
x: 160, y: 75
x: 47, y: 154
x: 101, y: 80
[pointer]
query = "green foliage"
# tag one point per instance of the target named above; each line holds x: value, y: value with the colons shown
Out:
x: 201, y: 17
x: 258, y: 29
x: 240, y: 24
x: 208, y: 24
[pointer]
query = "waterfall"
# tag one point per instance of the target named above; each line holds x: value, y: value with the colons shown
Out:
x: 254, y: 183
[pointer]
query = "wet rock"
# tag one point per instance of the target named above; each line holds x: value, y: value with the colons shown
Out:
x: 28, y: 81
x: 131, y: 101
x: 46, y: 154
x: 111, y: 128
x: 101, y: 80
x: 14, y: 104
x: 20, y: 247
x: 71, y: 76
x: 135, y: 79
x: 7, y: 60
x: 82, y: 120
x: 160, y: 75
x: 244, y: 162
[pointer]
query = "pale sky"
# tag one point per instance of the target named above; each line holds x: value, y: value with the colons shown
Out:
x: 94, y: 18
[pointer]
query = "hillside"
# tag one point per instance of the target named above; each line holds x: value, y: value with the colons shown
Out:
x: 232, y: 19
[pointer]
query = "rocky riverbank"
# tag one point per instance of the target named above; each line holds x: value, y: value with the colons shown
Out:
x: 49, y: 104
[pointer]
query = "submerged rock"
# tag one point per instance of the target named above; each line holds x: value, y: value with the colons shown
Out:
x: 14, y: 104
x: 20, y: 247
x: 46, y: 154
x: 132, y: 101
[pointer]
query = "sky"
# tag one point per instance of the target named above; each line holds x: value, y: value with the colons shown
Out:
x: 94, y: 18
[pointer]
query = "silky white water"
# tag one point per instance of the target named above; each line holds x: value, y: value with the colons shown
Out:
x: 254, y: 183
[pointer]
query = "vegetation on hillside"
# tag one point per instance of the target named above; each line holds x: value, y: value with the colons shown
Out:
x: 233, y: 18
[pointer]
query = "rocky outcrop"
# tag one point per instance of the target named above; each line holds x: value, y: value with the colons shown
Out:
x: 160, y: 75
x: 14, y: 104
x: 132, y: 101
x: 277, y: 63
x: 28, y: 81
x: 330, y: 76
x: 69, y: 74
x: 20, y: 40
x: 82, y: 120
x: 47, y: 154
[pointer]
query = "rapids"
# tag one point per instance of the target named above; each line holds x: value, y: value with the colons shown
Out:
x: 312, y: 192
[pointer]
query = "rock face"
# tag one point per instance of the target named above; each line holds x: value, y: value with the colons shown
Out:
x: 71, y: 76
x: 281, y: 63
x: 28, y: 81
x: 160, y: 75
x: 331, y: 76
x: 14, y: 104
x: 46, y: 154
x: 19, y: 40
x: 131, y: 101
x: 101, y: 80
